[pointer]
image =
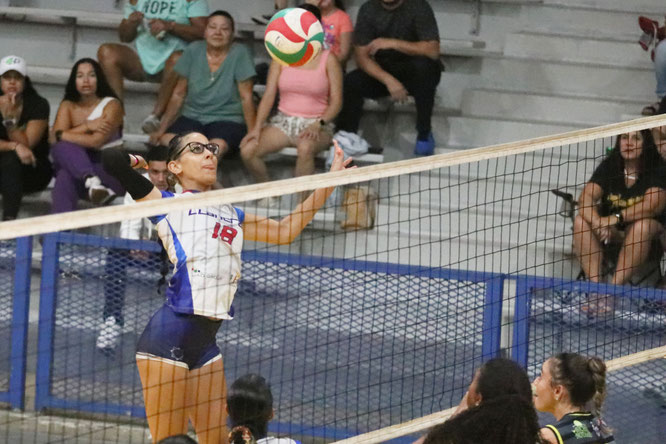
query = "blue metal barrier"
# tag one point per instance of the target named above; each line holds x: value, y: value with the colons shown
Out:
x: 70, y: 377
x: 20, y: 303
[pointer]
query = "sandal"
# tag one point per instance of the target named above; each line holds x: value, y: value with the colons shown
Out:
x: 598, y: 306
x: 650, y: 110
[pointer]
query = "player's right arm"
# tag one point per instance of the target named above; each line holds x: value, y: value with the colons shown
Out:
x: 122, y: 166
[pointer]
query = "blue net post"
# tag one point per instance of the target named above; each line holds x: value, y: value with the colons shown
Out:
x: 521, y: 326
x: 20, y: 312
x: 492, y: 318
x: 47, y: 303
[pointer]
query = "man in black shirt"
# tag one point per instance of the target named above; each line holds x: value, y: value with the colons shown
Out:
x: 397, y: 52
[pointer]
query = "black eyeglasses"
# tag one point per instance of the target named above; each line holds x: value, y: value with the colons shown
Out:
x: 198, y: 148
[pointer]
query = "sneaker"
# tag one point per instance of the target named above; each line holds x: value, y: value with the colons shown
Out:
x: 150, y: 124
x: 262, y: 19
x: 98, y: 193
x: 425, y: 147
x: 269, y: 202
x: 109, y: 334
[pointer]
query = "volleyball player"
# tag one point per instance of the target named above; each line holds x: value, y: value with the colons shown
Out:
x: 179, y: 363
x: 567, y: 384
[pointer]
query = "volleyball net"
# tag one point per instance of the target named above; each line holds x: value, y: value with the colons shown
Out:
x: 410, y: 276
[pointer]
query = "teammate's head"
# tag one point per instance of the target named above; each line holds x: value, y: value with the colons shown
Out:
x: 193, y: 161
x: 157, y: 167
x: 499, y: 377
x: 571, y: 379
x: 506, y: 419
x: 250, y: 404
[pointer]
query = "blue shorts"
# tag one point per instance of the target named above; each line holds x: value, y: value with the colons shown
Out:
x: 230, y: 132
x: 180, y: 339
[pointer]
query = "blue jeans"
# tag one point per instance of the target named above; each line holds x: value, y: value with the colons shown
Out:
x: 660, y: 69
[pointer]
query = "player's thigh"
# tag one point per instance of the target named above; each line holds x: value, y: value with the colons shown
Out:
x: 206, y: 401
x: 271, y: 140
x: 125, y: 58
x: 164, y: 392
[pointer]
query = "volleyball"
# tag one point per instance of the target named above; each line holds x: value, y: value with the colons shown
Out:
x: 294, y: 36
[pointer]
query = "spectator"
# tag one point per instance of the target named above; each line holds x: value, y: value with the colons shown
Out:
x: 310, y: 98
x: 498, y: 382
x: 161, y: 31
x: 214, y: 89
x: 567, y: 385
x: 619, y: 206
x: 89, y: 119
x: 117, y: 260
x: 397, y: 52
x: 338, y: 28
x: 654, y: 34
x: 24, y: 146
x: 250, y: 408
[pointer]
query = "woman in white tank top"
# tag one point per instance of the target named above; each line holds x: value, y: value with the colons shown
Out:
x: 89, y: 120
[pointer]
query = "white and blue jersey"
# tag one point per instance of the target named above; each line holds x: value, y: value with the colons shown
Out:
x: 204, y: 244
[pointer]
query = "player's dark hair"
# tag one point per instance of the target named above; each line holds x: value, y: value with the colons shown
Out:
x: 103, y: 87
x: 311, y: 8
x: 178, y: 439
x: 223, y: 13
x: 250, y: 404
x: 500, y: 377
x: 506, y: 419
x: 157, y: 153
x: 174, y: 146
x: 583, y: 377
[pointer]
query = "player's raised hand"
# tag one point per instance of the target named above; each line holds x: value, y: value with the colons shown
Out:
x: 339, y: 161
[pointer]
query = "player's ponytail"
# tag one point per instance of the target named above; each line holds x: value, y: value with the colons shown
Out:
x: 597, y: 369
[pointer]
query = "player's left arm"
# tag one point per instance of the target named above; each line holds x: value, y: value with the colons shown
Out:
x: 652, y: 205
x: 263, y: 229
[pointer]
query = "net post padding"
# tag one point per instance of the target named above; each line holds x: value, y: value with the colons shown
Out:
x: 426, y: 422
x: 100, y: 216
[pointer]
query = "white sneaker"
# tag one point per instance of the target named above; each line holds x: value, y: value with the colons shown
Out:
x: 109, y: 334
x: 150, y: 124
x: 98, y: 193
x: 269, y: 202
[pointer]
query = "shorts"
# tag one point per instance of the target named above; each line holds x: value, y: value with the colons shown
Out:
x: 180, y: 339
x: 293, y: 126
x: 230, y: 132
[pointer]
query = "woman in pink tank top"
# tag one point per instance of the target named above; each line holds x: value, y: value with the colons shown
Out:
x: 310, y: 99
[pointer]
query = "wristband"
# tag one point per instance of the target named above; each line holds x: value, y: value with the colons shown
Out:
x: 620, y: 219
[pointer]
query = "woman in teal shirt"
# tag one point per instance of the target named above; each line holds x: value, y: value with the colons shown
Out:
x: 214, y: 89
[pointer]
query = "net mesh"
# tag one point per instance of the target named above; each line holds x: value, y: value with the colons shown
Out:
x: 406, y: 280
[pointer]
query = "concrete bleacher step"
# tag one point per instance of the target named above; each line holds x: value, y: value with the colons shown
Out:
x: 537, y: 74
x: 570, y: 47
x: 558, y: 107
x: 480, y: 131
x: 620, y: 17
